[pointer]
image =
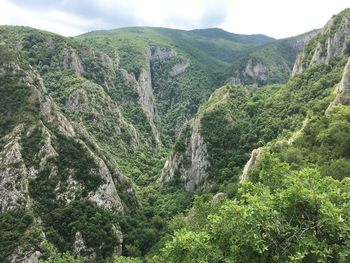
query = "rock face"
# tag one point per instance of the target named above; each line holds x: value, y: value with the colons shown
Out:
x: 14, y: 181
x: 22, y: 161
x: 145, y: 87
x: 178, y: 68
x: 72, y: 60
x: 158, y: 52
x: 191, y: 166
x: 342, y: 90
x: 299, y: 42
x: 146, y: 92
x: 331, y: 42
x: 14, y: 176
x: 249, y: 166
x: 79, y: 248
x: 254, y: 70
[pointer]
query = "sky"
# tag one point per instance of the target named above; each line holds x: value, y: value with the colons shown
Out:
x: 275, y: 18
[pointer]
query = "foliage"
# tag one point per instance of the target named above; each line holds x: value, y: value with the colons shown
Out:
x: 95, y: 225
x: 55, y: 257
x: 248, y: 117
x: 18, y: 104
x: 293, y: 209
x: 126, y: 260
x: 294, y: 223
x: 12, y: 228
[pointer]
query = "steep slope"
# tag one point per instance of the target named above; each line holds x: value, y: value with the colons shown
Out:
x: 246, y: 118
x: 332, y: 42
x: 101, y: 106
x: 270, y: 63
x: 186, y: 66
x: 292, y: 203
x: 50, y: 167
x: 86, y: 122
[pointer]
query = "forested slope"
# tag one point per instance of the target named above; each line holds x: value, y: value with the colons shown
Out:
x: 114, y: 143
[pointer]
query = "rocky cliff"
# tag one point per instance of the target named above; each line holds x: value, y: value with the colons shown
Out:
x: 188, y: 167
x: 51, y: 159
x: 270, y: 63
x: 237, y: 118
x: 332, y: 41
x: 342, y: 90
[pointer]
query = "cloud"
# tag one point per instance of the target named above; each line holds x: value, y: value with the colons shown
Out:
x: 69, y: 17
x: 214, y: 13
x: 272, y: 17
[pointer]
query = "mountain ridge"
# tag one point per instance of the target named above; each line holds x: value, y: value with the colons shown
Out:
x: 114, y: 134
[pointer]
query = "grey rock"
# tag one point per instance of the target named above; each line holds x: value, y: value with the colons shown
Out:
x: 195, y: 176
x: 72, y: 60
x: 158, y: 52
x: 218, y: 197
x: 146, y: 95
x: 250, y: 165
x: 80, y: 249
x: 335, y: 45
x: 14, y: 175
x: 178, y: 69
x: 342, y: 89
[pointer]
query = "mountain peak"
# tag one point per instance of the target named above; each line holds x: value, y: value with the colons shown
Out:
x: 332, y: 41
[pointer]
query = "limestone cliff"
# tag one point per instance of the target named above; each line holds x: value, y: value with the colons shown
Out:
x: 342, y: 90
x: 146, y: 92
x: 251, y: 164
x: 36, y: 148
x: 254, y: 69
x: 333, y: 41
x: 188, y: 167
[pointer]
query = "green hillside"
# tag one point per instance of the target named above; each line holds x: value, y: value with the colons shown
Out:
x: 208, y: 54
x: 290, y: 202
x: 160, y: 145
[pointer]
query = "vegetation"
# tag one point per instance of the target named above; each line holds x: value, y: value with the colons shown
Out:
x: 304, y: 219
x: 292, y: 208
x: 249, y: 117
x: 12, y: 228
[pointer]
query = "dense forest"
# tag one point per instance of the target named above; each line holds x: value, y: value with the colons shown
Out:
x: 160, y: 145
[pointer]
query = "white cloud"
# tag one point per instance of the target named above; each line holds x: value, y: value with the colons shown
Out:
x: 277, y: 18
x: 280, y: 18
x: 54, y: 21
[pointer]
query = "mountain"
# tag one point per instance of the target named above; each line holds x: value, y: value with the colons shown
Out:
x: 187, y: 66
x: 249, y: 117
x: 269, y: 63
x: 218, y: 33
x: 58, y: 179
x: 108, y: 136
x: 287, y: 201
x: 184, y: 66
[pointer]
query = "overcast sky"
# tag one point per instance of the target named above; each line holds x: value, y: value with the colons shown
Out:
x: 276, y: 18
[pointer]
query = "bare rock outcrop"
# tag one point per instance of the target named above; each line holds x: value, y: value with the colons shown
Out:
x: 80, y: 249
x: 14, y: 175
x: 191, y: 166
x: 158, y: 52
x: 331, y: 42
x: 178, y: 69
x: 253, y: 70
x: 72, y: 60
x: 342, y: 90
x: 146, y: 92
x: 251, y: 164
